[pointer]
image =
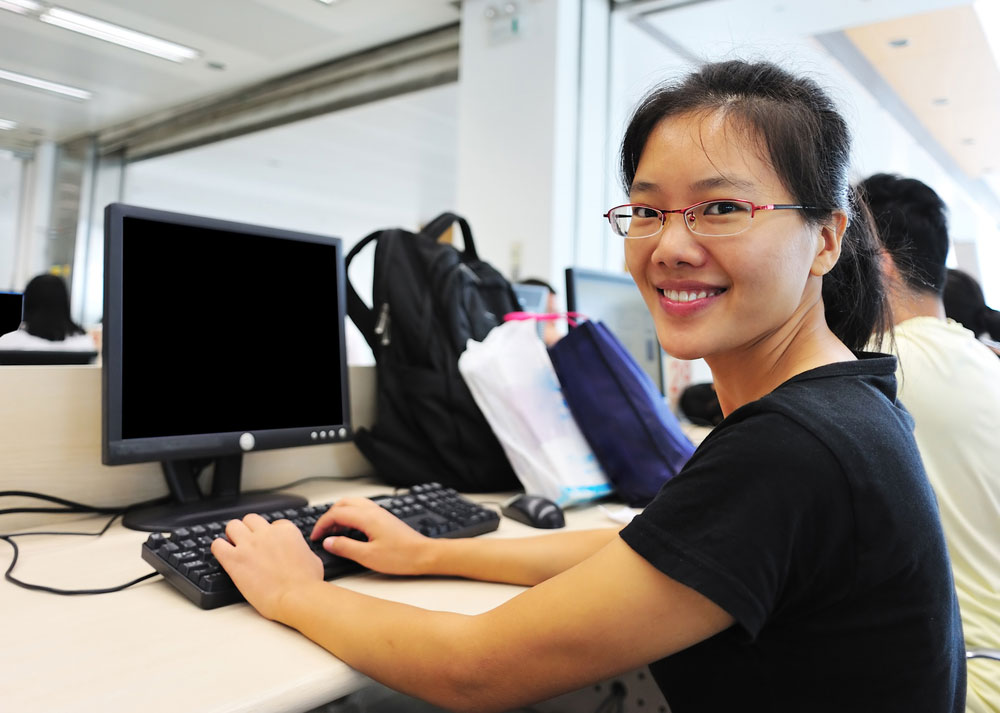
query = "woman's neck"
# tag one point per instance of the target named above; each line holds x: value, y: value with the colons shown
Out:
x: 756, y: 370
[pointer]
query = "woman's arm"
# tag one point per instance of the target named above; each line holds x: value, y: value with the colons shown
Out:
x: 608, y: 614
x: 395, y: 548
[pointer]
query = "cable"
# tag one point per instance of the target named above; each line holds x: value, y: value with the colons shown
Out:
x: 71, y: 506
x: 9, y: 574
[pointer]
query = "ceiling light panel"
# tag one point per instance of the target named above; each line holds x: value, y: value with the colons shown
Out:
x: 21, y: 7
x: 45, y: 85
x: 117, y: 34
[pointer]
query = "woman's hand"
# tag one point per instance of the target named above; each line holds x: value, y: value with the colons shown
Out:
x: 393, y: 547
x: 266, y: 561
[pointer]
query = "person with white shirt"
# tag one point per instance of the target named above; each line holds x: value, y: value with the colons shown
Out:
x: 950, y: 383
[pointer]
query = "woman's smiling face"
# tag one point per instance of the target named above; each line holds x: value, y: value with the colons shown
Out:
x: 716, y: 295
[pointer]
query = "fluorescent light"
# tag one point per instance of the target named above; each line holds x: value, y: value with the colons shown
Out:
x: 48, y: 86
x: 21, y: 7
x: 7, y: 124
x: 123, y: 36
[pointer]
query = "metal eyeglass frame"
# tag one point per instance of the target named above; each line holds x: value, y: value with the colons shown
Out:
x: 689, y: 216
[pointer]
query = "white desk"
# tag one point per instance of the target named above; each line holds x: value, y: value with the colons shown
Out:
x: 150, y: 649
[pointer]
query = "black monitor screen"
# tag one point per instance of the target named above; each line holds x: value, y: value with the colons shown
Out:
x: 220, y: 338
x: 614, y: 299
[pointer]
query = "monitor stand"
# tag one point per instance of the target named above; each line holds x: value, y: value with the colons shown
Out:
x: 189, y: 505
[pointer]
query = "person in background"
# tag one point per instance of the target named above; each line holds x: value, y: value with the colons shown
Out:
x: 964, y: 302
x: 47, y: 323
x: 549, y: 329
x: 950, y: 383
x: 791, y: 565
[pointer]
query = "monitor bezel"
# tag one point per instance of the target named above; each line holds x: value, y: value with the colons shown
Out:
x: 117, y: 450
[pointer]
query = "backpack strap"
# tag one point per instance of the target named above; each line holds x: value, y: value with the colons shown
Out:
x: 436, y: 228
x: 361, y: 314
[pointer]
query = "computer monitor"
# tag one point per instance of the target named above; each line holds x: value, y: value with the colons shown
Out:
x: 220, y: 339
x: 11, y: 311
x: 614, y: 299
x: 531, y: 298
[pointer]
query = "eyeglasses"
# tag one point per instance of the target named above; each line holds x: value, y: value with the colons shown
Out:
x: 724, y: 216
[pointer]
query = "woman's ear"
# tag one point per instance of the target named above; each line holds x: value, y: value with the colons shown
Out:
x: 829, y: 238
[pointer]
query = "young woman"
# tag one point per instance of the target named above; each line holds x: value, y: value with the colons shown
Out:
x: 796, y: 563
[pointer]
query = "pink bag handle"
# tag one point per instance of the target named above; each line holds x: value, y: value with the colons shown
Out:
x: 570, y: 317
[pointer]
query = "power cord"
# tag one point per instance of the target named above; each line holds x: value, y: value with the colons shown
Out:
x: 70, y: 506
x: 9, y: 574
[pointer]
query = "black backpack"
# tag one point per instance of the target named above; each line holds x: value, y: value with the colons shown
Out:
x: 428, y: 299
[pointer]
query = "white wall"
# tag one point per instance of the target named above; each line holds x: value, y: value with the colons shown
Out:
x: 382, y: 165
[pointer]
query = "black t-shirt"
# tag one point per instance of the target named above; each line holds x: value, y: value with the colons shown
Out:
x: 808, y: 517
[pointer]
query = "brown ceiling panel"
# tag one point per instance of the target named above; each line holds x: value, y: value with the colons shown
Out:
x: 940, y: 64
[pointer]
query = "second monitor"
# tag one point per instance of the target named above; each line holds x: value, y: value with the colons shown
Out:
x: 614, y: 299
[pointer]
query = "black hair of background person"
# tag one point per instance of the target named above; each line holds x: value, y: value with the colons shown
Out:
x: 911, y: 220
x: 964, y: 302
x: 537, y: 282
x: 11, y: 310
x: 46, y: 309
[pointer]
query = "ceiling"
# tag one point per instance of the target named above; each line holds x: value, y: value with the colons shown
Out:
x: 940, y: 64
x: 241, y: 42
x: 921, y: 49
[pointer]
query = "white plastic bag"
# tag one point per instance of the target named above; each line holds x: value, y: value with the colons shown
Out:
x: 514, y: 385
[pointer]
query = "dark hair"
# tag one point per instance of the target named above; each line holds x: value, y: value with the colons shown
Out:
x: 46, y: 309
x: 808, y: 144
x: 964, y: 302
x: 911, y: 222
x: 538, y: 282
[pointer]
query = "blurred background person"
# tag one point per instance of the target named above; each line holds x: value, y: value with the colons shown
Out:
x: 950, y: 383
x: 964, y: 302
x: 550, y: 330
x: 47, y: 323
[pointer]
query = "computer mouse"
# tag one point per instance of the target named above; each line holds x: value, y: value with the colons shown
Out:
x: 534, y: 510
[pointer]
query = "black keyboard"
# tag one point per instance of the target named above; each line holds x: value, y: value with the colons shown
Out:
x: 184, y: 558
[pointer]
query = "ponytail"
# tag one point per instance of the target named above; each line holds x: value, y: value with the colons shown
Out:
x: 854, y: 292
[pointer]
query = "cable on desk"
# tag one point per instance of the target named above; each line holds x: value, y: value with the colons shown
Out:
x: 70, y: 506
x: 9, y: 574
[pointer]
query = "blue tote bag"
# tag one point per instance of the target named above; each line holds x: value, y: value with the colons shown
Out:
x: 634, y: 435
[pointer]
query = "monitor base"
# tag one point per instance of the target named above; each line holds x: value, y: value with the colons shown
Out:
x: 170, y: 516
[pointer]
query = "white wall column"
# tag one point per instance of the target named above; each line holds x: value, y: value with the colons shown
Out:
x: 33, y: 222
x: 524, y: 72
